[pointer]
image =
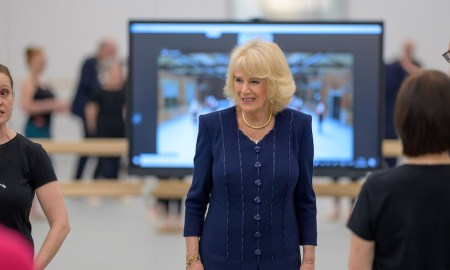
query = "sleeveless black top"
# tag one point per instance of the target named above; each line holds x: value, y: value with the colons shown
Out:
x: 44, y: 119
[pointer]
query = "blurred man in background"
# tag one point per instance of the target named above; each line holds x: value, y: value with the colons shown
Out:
x: 395, y: 73
x: 88, y: 83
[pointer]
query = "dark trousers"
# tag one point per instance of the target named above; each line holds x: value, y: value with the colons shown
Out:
x: 107, y: 168
x: 83, y: 159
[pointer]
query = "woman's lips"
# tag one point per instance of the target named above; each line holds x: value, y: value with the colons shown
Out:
x: 248, y: 99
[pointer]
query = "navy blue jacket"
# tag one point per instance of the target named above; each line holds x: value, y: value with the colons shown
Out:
x: 261, y: 204
x: 88, y: 83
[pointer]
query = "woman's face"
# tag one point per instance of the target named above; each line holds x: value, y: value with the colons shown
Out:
x: 251, y: 92
x: 38, y: 63
x: 115, y: 75
x: 6, y: 99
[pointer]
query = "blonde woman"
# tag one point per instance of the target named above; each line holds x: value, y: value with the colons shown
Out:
x: 253, y: 170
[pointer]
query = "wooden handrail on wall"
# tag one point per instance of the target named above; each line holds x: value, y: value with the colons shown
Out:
x: 86, y: 147
x: 179, y: 189
x: 392, y: 148
x: 119, y: 147
x: 173, y: 190
x: 102, y: 187
x: 165, y: 189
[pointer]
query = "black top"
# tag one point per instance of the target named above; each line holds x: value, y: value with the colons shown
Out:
x: 24, y: 167
x: 42, y: 119
x: 110, y: 120
x: 406, y: 211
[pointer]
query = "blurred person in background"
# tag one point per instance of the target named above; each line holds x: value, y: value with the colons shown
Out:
x: 395, y: 73
x: 401, y: 220
x: 39, y: 102
x: 105, y: 113
x: 88, y: 83
x: 26, y: 171
x: 37, y: 98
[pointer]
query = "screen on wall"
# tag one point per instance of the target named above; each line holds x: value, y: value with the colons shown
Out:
x: 178, y: 69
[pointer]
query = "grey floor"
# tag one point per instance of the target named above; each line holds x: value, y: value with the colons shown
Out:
x: 118, y: 235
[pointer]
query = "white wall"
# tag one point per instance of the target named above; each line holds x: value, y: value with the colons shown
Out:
x: 3, y: 31
x: 427, y: 23
x: 70, y: 30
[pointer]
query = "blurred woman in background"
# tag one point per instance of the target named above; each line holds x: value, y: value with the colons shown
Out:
x: 37, y: 98
x: 105, y: 113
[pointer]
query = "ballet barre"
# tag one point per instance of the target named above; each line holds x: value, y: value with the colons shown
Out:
x: 119, y: 147
x: 175, y: 190
x: 86, y: 147
x: 164, y: 189
x: 102, y: 187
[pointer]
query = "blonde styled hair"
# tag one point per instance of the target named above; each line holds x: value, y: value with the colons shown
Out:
x: 262, y: 60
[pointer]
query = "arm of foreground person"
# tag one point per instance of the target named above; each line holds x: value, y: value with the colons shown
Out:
x: 52, y: 202
x: 361, y: 253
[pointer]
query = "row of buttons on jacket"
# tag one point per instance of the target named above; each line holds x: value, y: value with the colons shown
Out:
x: 257, y: 200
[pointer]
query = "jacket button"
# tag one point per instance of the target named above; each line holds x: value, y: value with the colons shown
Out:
x: 257, y: 164
x: 257, y: 234
x: 257, y: 149
x: 258, y: 182
x: 257, y: 199
x: 257, y: 217
x: 258, y: 252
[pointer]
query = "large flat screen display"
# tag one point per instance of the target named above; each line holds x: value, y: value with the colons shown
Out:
x: 178, y: 69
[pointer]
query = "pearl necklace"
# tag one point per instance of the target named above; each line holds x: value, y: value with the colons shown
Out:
x: 257, y: 127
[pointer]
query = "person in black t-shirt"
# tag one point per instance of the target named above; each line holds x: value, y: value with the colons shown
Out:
x: 26, y: 170
x: 401, y: 219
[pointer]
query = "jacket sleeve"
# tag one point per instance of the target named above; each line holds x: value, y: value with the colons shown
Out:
x: 305, y: 198
x: 87, y: 84
x: 199, y: 193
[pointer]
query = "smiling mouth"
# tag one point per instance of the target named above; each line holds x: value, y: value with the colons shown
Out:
x: 248, y: 99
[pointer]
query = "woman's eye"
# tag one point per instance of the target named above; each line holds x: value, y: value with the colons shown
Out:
x: 238, y: 80
x: 255, y: 82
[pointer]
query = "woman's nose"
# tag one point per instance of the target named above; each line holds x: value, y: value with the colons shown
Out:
x: 246, y: 86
